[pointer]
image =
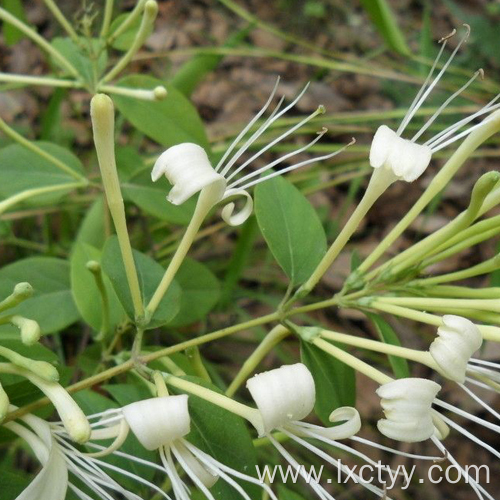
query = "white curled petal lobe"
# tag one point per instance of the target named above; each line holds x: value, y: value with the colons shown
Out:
x: 188, y: 169
x: 350, y: 426
x: 381, y: 146
x: 158, y: 422
x: 283, y: 395
x: 458, y: 339
x: 407, y: 405
x: 238, y: 218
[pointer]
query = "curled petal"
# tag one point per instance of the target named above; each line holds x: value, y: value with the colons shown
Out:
x: 350, y: 426
x: 158, y: 422
x: 188, y: 169
x: 458, y: 339
x: 238, y: 218
x: 407, y: 405
x: 282, y: 395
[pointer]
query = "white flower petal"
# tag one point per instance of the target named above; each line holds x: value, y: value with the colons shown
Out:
x: 236, y: 219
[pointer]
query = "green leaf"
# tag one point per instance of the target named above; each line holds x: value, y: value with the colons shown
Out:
x: 150, y: 274
x: 124, y: 41
x: 129, y: 162
x: 23, y: 169
x: 11, y: 34
x: 291, y: 228
x: 286, y: 494
x: 382, y: 17
x: 389, y: 336
x: 151, y: 197
x: 92, y: 229
x: 52, y: 303
x: 84, y: 56
x: 13, y: 483
x: 85, y: 292
x: 200, y: 291
x: 169, y: 122
x: 225, y: 437
x: 335, y: 382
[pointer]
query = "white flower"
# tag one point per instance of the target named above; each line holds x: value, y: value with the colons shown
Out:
x: 188, y: 168
x: 406, y: 158
x: 59, y: 457
x: 407, y: 405
x: 286, y: 395
x: 161, y: 424
x: 458, y: 339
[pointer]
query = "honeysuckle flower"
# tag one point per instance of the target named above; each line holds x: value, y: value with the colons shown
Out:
x: 410, y: 418
x: 458, y: 339
x: 286, y: 395
x: 161, y: 424
x: 189, y: 170
x: 59, y: 458
x: 407, y: 159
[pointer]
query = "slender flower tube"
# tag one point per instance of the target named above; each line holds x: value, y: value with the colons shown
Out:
x: 285, y: 396
x: 458, y: 339
x: 406, y: 159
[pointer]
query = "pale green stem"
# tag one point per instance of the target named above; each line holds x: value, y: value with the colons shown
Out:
x: 461, y: 292
x: 491, y: 201
x: 148, y: 18
x: 474, y: 314
x: 251, y: 414
x: 40, y: 41
x: 56, y: 12
x: 30, y: 193
x: 155, y: 94
x: 207, y: 199
x: 38, y: 80
x: 102, y: 114
x: 485, y: 267
x: 8, y: 131
x: 429, y: 302
x: 380, y: 180
x: 488, y: 332
x: 4, y: 404
x: 468, y: 146
x: 464, y: 244
x: 41, y: 368
x: 274, y: 337
x: 136, y: 12
x: 106, y: 20
x: 352, y: 361
x: 422, y: 357
x: 419, y: 250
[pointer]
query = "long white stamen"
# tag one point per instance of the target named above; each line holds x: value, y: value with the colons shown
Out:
x: 268, y: 146
x: 79, y: 493
x: 476, y: 398
x: 478, y: 489
x: 297, y: 165
x: 424, y: 96
x: 335, y: 463
x: 424, y: 86
x: 219, y: 468
x: 247, y: 128
x: 471, y: 436
x: 482, y: 385
x: 318, y: 489
x: 393, y: 450
x: 181, y: 491
x: 191, y: 474
x: 469, y: 416
x: 431, y: 120
x: 489, y: 107
x: 484, y: 362
x: 278, y: 161
x: 262, y: 129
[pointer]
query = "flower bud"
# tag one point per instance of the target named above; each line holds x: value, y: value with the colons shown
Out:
x: 159, y: 421
x: 458, y: 339
x: 21, y: 292
x: 283, y: 395
x: 406, y: 159
x: 407, y: 405
x: 4, y: 403
x: 30, y: 329
x: 188, y: 169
